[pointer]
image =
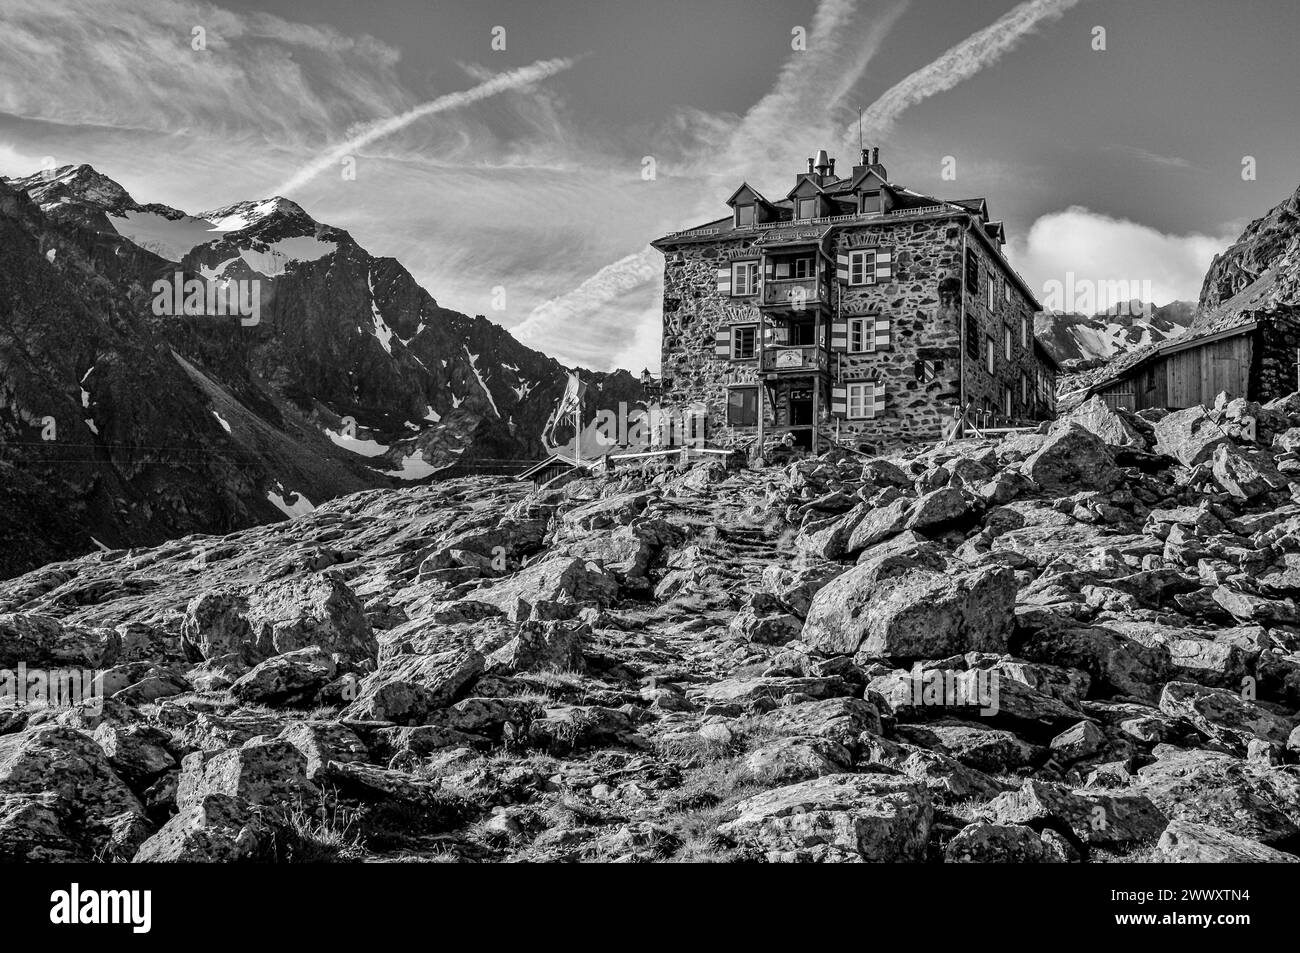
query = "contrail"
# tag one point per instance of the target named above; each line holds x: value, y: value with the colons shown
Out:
x: 524, y: 76
x: 800, y: 90
x: 962, y: 61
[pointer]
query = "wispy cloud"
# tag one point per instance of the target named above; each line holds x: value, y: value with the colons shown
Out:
x: 1152, y: 158
x: 800, y: 108
x: 973, y: 54
x: 122, y: 64
x: 513, y: 79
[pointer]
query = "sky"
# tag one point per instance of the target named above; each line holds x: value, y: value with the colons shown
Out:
x: 518, y: 157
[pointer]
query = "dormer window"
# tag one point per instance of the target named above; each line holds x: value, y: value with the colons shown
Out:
x: 744, y: 216
x: 870, y: 203
x: 807, y: 209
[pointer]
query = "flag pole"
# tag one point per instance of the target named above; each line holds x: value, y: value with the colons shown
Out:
x: 577, y: 424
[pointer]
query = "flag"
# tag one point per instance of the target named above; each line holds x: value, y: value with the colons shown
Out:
x: 570, y: 405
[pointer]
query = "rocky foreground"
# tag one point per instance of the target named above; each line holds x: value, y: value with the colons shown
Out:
x: 1076, y: 645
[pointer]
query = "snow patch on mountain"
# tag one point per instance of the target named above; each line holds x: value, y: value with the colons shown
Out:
x: 365, y: 448
x: 295, y: 505
x: 473, y: 363
x: 167, y: 238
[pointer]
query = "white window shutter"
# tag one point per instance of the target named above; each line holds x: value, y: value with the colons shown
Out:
x: 883, y: 335
x: 839, y: 334
x: 842, y: 268
x: 884, y: 265
x: 877, y: 399
x: 724, y: 283
x: 722, y: 342
x: 840, y: 401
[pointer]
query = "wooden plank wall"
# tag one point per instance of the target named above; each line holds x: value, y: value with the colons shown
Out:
x: 1187, y: 378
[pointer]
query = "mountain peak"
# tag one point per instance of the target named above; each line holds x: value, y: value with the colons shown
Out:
x: 73, y: 185
x: 243, y: 215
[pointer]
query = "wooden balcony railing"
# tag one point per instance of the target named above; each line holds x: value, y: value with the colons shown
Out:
x: 796, y: 293
x: 798, y: 358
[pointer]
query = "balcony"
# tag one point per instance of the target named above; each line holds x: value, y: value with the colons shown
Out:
x: 796, y: 359
x: 795, y: 294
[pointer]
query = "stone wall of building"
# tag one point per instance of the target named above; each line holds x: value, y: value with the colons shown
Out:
x: 1277, y: 341
x: 982, y: 388
x: 693, y: 313
x: 920, y: 301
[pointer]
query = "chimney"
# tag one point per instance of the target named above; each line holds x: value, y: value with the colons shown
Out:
x: 875, y: 156
x: 866, y: 157
x: 810, y: 165
x: 832, y: 168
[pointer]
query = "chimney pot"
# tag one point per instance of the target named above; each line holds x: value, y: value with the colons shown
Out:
x: 875, y: 156
x: 832, y: 167
x: 866, y: 157
x: 810, y: 165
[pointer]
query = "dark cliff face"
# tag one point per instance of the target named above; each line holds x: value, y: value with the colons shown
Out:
x: 349, y: 376
x: 1261, y: 269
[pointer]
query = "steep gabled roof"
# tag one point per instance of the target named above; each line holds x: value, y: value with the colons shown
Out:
x: 745, y: 186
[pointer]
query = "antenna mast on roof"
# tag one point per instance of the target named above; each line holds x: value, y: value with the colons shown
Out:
x: 859, y: 128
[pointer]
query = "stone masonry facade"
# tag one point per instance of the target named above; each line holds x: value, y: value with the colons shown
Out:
x: 889, y: 352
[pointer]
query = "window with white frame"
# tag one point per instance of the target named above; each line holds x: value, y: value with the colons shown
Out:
x: 744, y: 215
x: 803, y: 267
x: 862, y: 267
x: 1024, y: 331
x: 862, y: 336
x: 744, y: 342
x: 1006, y: 342
x: 862, y: 400
x: 990, y: 289
x: 744, y: 278
x: 807, y: 208
x: 990, y: 347
x: 1006, y: 291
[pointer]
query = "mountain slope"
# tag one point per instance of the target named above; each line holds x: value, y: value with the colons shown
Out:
x: 343, y: 374
x: 1079, y: 338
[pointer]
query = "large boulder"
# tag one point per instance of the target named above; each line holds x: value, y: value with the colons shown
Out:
x: 406, y: 688
x: 982, y: 843
x: 1072, y: 459
x: 314, y: 610
x: 860, y: 817
x: 571, y: 580
x: 262, y: 771
x: 317, y: 610
x: 81, y: 787
x: 214, y: 828
x: 542, y: 647
x: 1112, y: 427
x: 1092, y: 818
x: 292, y: 677
x: 1189, y: 436
x: 911, y: 607
x: 1186, y: 842
x: 42, y: 640
x: 1245, y: 474
x: 1248, y: 798
x: 1224, y: 714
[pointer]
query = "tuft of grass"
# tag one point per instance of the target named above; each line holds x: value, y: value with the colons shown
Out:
x: 322, y: 836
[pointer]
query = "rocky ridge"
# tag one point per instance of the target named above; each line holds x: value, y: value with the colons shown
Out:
x: 1077, y: 645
